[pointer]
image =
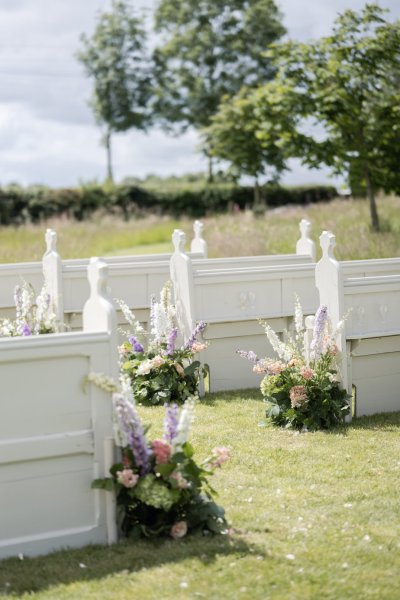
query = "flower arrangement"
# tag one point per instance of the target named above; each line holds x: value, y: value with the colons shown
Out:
x: 161, y: 371
x: 34, y: 315
x: 160, y: 489
x: 302, y: 389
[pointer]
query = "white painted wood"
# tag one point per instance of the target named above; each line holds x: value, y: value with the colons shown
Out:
x: 52, y: 436
x: 305, y: 245
x: 233, y: 298
x: 371, y: 303
x: 198, y: 243
x: 52, y: 273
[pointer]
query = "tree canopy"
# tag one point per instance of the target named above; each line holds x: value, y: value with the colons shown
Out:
x: 348, y: 83
x: 209, y: 49
x: 115, y: 57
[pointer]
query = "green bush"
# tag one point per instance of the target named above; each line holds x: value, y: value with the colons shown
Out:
x: 34, y: 204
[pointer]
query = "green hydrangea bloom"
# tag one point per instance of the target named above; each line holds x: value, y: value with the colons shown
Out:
x: 154, y: 492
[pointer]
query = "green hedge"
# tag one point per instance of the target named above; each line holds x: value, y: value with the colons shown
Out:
x: 19, y: 205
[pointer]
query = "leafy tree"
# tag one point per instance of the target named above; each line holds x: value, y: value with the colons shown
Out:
x: 209, y: 49
x: 348, y: 83
x: 115, y: 58
x: 234, y: 136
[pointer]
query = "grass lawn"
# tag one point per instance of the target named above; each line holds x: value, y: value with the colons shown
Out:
x: 312, y: 515
x: 227, y: 235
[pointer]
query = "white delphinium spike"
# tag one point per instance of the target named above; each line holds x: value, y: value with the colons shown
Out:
x: 184, y: 423
x: 137, y: 328
x: 108, y: 384
x: 282, y: 350
x: 45, y: 315
x: 126, y: 387
x: 298, y: 316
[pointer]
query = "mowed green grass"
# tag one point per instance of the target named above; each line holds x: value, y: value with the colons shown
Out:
x: 227, y: 235
x: 313, y: 516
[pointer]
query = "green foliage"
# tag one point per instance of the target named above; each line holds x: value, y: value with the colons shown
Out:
x: 209, y: 49
x: 348, y: 83
x: 173, y: 381
x: 196, y: 199
x: 115, y: 58
x: 233, y: 136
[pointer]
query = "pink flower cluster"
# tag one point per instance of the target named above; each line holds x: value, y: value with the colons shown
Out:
x: 220, y: 455
x: 306, y: 372
x: 127, y: 478
x: 178, y: 530
x: 198, y: 346
x: 298, y: 395
x: 161, y: 451
x: 181, y: 482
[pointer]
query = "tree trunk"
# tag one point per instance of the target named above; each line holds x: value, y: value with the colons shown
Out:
x: 259, y: 199
x: 371, y: 199
x: 210, y: 177
x: 107, y: 142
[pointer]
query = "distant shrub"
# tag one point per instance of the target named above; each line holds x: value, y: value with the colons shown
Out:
x: 19, y: 205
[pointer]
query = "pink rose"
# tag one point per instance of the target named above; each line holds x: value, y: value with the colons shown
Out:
x: 162, y: 451
x: 178, y: 530
x: 127, y: 478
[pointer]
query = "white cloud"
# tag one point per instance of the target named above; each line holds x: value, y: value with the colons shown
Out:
x: 47, y: 131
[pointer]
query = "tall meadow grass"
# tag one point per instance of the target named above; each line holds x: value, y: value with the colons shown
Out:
x: 237, y: 234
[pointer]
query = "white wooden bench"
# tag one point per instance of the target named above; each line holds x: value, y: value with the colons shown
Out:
x: 230, y: 295
x: 54, y: 437
x: 132, y: 278
x: 370, y: 341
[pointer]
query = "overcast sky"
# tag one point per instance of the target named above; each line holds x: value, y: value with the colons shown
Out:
x: 47, y: 131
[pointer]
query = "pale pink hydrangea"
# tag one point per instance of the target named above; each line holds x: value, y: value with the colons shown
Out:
x: 298, y: 396
x: 306, y: 372
x: 295, y: 362
x: 127, y: 478
x: 178, y: 530
x: 260, y: 367
x: 161, y: 451
x: 220, y: 455
x: 274, y: 367
x: 157, y: 362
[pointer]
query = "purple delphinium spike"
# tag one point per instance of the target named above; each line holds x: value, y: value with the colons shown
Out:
x: 171, y: 341
x: 250, y: 355
x: 132, y: 432
x: 26, y: 330
x: 196, y: 331
x: 136, y: 345
x: 170, y: 422
x: 321, y: 317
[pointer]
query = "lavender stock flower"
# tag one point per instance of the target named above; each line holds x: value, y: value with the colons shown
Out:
x: 196, y: 331
x: 26, y: 330
x: 136, y: 345
x: 170, y: 422
x: 130, y: 431
x: 171, y: 341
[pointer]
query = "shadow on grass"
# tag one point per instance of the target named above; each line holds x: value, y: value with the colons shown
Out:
x: 379, y: 422
x: 18, y: 577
